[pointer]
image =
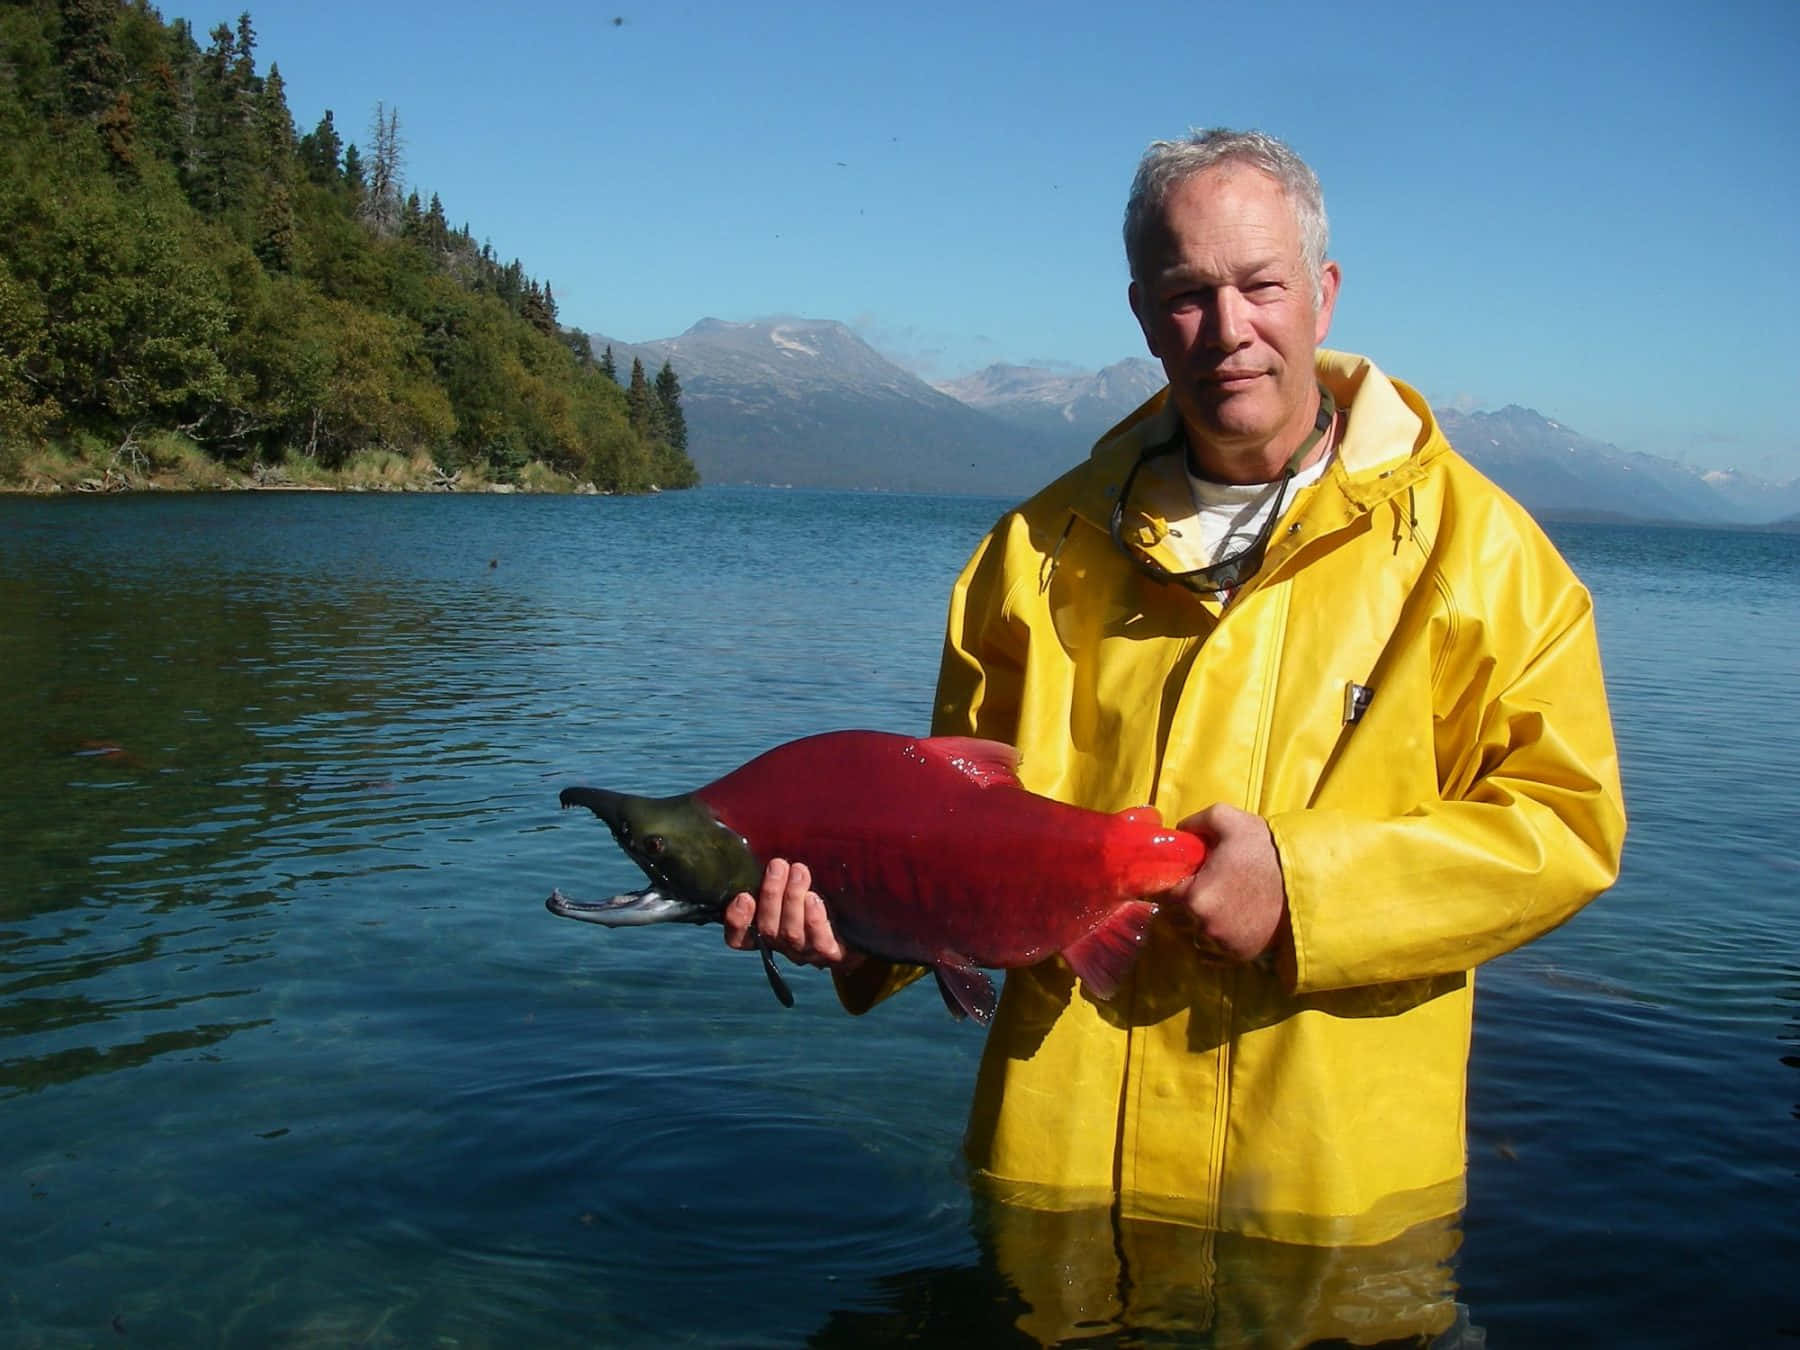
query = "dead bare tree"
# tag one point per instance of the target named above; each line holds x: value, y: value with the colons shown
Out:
x: 381, y: 202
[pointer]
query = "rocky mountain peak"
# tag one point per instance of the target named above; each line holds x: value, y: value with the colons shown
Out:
x: 807, y: 402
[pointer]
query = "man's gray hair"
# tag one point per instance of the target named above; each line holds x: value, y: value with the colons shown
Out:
x: 1168, y: 164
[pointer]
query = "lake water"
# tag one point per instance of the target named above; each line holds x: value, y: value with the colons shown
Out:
x: 291, y: 1054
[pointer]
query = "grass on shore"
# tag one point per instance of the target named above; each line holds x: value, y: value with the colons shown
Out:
x: 167, y: 461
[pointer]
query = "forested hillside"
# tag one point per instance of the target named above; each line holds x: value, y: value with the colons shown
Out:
x: 184, y: 276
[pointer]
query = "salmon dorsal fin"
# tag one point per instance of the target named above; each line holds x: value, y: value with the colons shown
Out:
x: 984, y: 763
x: 1104, y: 957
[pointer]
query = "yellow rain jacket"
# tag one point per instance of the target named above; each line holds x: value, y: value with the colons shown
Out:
x: 1472, y: 805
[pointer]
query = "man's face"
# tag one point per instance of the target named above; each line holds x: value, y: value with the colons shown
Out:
x: 1226, y: 305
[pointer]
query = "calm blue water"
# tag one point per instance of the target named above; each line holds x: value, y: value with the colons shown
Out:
x: 290, y: 1053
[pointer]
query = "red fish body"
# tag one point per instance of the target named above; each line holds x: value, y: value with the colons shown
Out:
x: 930, y: 852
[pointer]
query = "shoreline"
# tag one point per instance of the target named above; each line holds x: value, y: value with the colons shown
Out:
x: 98, y: 488
x: 54, y: 474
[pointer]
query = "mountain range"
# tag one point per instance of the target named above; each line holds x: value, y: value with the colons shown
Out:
x: 807, y: 403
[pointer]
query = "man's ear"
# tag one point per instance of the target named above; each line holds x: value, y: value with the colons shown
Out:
x: 1134, y: 294
x: 1330, y: 278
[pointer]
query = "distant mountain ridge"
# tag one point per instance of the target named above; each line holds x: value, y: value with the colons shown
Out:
x: 1555, y: 471
x: 1078, y: 404
x: 807, y: 403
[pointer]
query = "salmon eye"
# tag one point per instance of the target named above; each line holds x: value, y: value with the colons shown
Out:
x: 655, y: 844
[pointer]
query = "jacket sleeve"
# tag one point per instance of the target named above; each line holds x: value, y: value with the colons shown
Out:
x: 1526, y: 827
x: 982, y: 670
x: 977, y: 695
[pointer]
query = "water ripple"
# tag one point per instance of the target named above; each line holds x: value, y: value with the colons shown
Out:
x: 292, y: 1053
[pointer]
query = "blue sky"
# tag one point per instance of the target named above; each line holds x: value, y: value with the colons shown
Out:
x: 1591, y: 210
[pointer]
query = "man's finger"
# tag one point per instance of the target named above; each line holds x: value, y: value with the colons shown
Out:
x: 820, y: 939
x: 793, y: 910
x: 771, y: 898
x: 738, y: 918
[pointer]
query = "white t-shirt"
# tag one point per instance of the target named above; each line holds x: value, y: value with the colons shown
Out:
x: 1228, y: 516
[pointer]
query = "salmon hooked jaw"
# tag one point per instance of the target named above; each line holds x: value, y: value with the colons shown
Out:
x: 631, y: 909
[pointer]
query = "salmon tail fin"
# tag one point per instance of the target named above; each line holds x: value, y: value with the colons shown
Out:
x: 967, y: 991
x: 1104, y: 957
x: 984, y: 763
x: 1148, y: 857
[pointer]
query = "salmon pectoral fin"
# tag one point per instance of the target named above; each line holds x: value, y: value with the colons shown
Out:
x: 1103, y: 958
x: 966, y: 990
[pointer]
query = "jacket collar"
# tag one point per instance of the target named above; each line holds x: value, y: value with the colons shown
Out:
x: 1389, y: 436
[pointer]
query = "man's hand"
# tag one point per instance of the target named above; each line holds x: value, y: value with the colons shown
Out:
x: 791, y: 919
x: 1237, y: 900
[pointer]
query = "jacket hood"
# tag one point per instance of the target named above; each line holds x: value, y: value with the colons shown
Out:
x: 1382, y: 414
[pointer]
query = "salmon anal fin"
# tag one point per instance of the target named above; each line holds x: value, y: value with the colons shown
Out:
x: 985, y: 763
x: 779, y: 985
x: 966, y: 990
x: 1104, y: 957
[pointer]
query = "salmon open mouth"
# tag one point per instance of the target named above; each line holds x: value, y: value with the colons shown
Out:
x: 631, y: 909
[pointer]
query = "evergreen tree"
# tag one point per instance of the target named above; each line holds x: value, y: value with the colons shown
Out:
x: 243, y: 68
x: 511, y: 288
x: 203, y: 169
x: 579, y: 343
x: 640, y: 403
x: 355, y: 175
x: 92, y: 69
x: 275, y: 126
x: 321, y: 152
x: 220, y: 56
x: 436, y: 234
x: 164, y: 63
x: 609, y: 366
x: 277, y: 235
x: 117, y: 128
x: 224, y: 158
x: 538, y: 308
x: 668, y: 399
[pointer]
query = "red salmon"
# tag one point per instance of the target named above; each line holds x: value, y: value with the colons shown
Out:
x: 926, y: 851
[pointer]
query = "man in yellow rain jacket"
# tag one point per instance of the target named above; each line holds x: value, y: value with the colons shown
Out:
x: 1277, y: 605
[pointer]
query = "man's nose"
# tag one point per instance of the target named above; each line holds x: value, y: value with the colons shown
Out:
x: 1230, y: 320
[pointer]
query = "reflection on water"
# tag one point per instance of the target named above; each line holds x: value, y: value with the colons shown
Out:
x: 1090, y: 1271
x: 62, y: 1066
x: 1089, y: 1277
x: 290, y: 1052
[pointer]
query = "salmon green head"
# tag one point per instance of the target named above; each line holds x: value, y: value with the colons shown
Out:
x: 695, y: 864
